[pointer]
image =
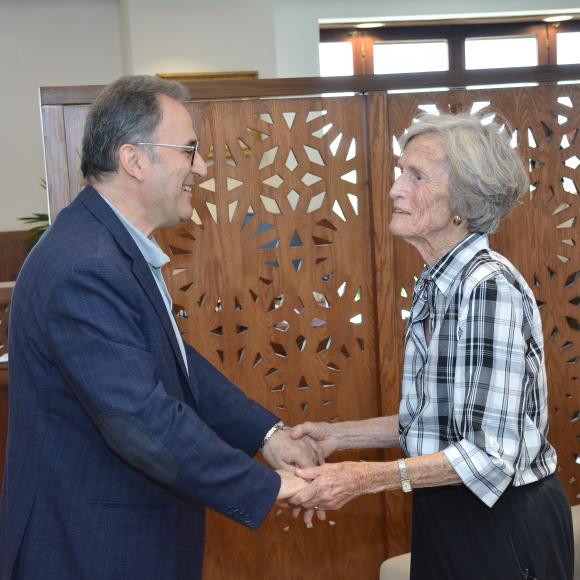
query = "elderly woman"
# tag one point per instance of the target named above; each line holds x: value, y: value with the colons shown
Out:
x: 473, y: 417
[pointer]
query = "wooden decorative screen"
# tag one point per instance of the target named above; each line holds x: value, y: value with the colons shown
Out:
x: 272, y: 280
x: 289, y: 282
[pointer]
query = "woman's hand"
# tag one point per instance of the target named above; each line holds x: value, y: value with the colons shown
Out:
x: 324, y: 433
x: 335, y: 484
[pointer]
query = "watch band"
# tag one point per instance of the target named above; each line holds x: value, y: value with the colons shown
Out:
x: 276, y: 427
x: 405, y: 481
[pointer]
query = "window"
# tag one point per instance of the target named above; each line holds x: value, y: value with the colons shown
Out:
x: 401, y: 57
x: 500, y: 52
x: 454, y: 47
x: 568, y: 47
x: 335, y: 59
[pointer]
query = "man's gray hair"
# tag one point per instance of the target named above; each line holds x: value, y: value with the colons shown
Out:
x: 486, y: 175
x: 126, y: 111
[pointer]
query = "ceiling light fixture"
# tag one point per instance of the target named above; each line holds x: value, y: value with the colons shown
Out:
x: 559, y: 18
x: 369, y: 25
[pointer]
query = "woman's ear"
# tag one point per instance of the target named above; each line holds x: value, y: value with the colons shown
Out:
x: 131, y: 161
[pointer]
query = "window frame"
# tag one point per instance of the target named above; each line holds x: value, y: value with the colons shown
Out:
x: 363, y: 40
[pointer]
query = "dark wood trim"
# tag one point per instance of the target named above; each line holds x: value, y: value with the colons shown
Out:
x: 14, y: 247
x: 3, y: 417
x: 319, y: 85
x: 6, y: 289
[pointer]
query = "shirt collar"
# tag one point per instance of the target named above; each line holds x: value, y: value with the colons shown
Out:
x: 151, y: 251
x: 446, y: 270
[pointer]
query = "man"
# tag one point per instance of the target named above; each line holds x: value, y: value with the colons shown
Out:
x: 120, y: 433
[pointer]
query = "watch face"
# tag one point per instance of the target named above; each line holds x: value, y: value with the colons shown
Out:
x: 406, y: 485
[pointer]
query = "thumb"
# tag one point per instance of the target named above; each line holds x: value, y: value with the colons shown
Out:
x: 308, y: 473
x: 298, y: 431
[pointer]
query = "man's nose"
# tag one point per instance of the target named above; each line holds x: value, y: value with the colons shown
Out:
x: 199, y: 167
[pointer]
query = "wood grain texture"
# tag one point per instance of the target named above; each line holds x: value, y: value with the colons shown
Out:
x: 55, y: 154
x: 81, y: 95
x: 3, y: 417
x: 274, y: 285
x: 13, y: 250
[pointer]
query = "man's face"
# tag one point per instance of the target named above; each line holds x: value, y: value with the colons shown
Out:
x: 171, y: 174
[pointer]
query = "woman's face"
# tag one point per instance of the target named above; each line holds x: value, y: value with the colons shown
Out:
x: 421, y: 198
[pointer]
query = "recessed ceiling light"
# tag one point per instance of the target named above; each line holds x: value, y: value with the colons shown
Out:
x: 369, y: 25
x: 560, y: 18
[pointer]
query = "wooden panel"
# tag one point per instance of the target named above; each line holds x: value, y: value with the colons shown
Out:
x: 3, y: 417
x: 74, y: 122
x: 390, y: 326
x: 273, y: 281
x: 55, y: 153
x: 5, y: 298
x: 316, y: 85
x: 13, y: 250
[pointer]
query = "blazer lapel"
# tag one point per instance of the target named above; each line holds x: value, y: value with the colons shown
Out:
x: 100, y: 209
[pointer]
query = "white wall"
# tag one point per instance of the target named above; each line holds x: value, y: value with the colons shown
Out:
x: 186, y: 36
x: 45, y: 43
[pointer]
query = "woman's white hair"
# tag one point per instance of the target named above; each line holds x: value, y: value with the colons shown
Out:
x: 486, y: 175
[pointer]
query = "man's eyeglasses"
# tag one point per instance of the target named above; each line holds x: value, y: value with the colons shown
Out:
x: 191, y: 149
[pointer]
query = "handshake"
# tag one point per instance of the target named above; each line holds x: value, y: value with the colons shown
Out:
x: 308, y: 483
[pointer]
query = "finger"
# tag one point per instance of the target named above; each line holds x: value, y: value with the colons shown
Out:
x: 306, y: 495
x: 307, y: 517
x: 296, y: 432
x: 296, y: 511
x: 309, y: 473
x: 321, y: 515
x: 317, y: 450
x: 309, y: 457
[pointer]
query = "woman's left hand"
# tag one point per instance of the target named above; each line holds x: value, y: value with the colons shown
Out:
x: 334, y: 484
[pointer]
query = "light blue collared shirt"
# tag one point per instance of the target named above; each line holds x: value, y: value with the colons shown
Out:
x: 156, y: 259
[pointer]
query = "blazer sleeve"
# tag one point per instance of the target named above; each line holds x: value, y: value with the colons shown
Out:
x: 236, y: 418
x: 96, y: 338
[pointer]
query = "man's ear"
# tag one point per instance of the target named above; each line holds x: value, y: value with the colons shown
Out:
x: 131, y: 161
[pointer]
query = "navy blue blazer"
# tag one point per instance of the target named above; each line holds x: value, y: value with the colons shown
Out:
x: 113, y: 451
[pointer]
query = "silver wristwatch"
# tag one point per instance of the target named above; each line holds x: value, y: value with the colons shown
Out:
x: 405, y: 481
x: 276, y: 427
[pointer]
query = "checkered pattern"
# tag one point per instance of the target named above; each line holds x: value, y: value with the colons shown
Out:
x: 478, y: 390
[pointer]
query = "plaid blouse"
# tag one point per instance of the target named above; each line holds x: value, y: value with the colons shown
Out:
x: 477, y: 389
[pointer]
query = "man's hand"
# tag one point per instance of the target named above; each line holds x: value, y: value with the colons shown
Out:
x: 324, y: 433
x: 291, y: 484
x: 282, y: 452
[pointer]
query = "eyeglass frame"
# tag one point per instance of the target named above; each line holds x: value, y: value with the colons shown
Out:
x: 193, y: 148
